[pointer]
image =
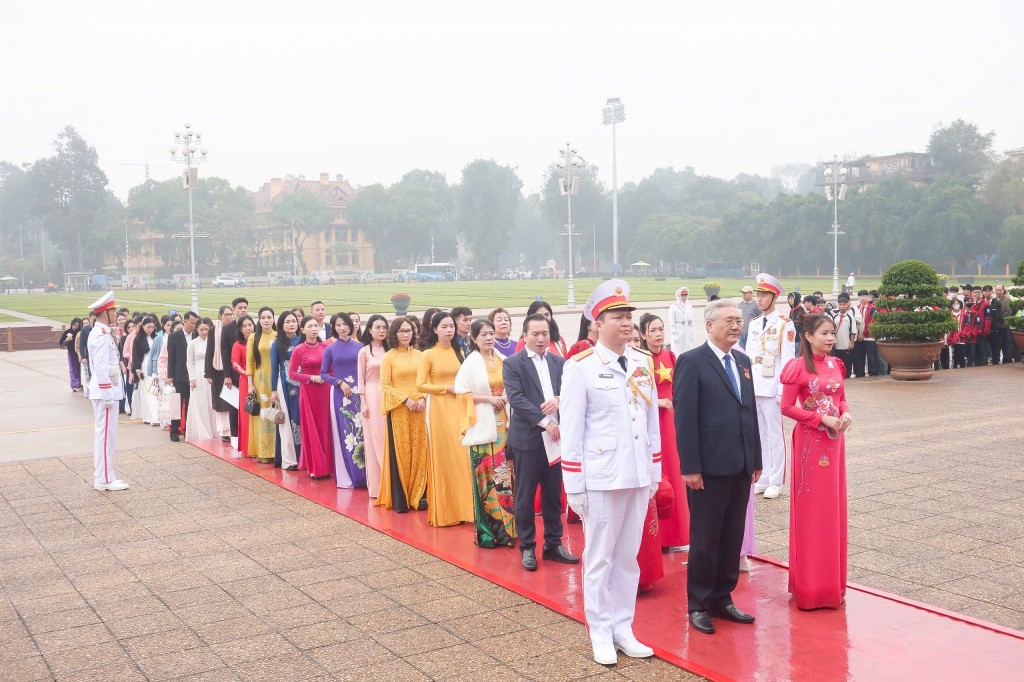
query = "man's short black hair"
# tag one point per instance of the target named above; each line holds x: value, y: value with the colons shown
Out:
x: 190, y: 315
x: 529, y: 318
x: 240, y: 299
x: 843, y: 298
x: 862, y: 292
x: 461, y: 310
x: 810, y: 299
x: 874, y: 293
x: 316, y: 303
x: 987, y: 287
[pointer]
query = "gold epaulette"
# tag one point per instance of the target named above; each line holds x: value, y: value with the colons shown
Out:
x: 783, y: 318
x: 644, y: 351
x: 582, y: 354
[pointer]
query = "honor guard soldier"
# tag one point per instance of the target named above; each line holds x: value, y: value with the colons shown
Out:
x: 105, y: 391
x: 770, y: 345
x: 609, y: 440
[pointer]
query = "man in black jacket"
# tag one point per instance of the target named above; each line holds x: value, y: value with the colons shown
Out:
x: 720, y: 453
x: 219, y: 371
x: 177, y: 370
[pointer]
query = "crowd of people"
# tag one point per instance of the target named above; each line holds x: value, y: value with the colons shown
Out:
x: 475, y: 419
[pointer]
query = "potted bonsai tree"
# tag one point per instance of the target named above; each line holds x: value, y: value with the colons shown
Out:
x: 911, y: 320
x: 1016, y: 320
x: 401, y: 303
x: 712, y: 289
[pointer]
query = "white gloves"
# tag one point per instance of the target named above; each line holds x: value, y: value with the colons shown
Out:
x: 109, y: 404
x: 653, y: 491
x: 114, y: 371
x: 578, y: 503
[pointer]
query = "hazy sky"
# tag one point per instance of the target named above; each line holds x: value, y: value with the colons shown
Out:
x: 373, y: 89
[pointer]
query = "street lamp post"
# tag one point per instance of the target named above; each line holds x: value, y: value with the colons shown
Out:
x: 835, y: 191
x: 568, y: 185
x: 188, y: 149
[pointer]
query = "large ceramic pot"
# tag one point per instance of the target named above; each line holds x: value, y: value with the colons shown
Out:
x: 1018, y: 338
x: 711, y: 291
x: 910, y: 360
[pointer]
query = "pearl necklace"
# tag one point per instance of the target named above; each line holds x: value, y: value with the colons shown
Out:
x: 503, y: 346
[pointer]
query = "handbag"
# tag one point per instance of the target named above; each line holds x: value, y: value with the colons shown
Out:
x: 273, y: 414
x: 252, y: 405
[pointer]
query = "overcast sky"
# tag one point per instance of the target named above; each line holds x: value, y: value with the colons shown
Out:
x: 373, y: 89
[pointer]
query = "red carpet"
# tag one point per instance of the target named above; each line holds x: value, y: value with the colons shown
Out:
x: 876, y: 637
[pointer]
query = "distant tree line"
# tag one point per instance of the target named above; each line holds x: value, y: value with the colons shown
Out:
x: 57, y: 215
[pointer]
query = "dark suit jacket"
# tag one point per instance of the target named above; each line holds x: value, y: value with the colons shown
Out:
x: 177, y: 356
x: 228, y: 336
x: 717, y: 434
x: 525, y: 395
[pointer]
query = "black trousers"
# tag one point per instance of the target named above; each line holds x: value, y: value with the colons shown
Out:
x: 182, y: 389
x: 531, y: 469
x: 717, y: 516
x: 959, y: 355
x: 846, y: 356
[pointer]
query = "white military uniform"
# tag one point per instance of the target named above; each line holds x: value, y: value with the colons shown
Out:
x: 105, y: 391
x: 770, y: 345
x: 611, y: 447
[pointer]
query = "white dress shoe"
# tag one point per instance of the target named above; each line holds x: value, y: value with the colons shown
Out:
x: 113, y: 485
x: 771, y: 492
x: 679, y: 548
x: 634, y: 649
x: 744, y: 564
x: 759, y: 489
x: 605, y: 654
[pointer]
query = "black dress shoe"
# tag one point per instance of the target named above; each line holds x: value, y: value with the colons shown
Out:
x: 225, y: 439
x: 701, y: 621
x: 560, y: 554
x: 175, y: 438
x: 732, y: 613
x: 530, y: 559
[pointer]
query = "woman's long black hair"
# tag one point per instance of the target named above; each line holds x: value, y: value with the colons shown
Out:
x: 256, y: 357
x: 435, y: 322
x: 367, y: 339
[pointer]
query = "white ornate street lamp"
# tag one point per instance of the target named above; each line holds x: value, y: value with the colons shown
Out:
x: 188, y: 149
x: 835, y: 191
x: 569, y: 184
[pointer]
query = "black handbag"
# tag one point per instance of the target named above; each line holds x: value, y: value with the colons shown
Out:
x: 252, y: 405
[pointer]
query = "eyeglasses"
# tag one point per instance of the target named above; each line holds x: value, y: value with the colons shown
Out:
x: 731, y: 321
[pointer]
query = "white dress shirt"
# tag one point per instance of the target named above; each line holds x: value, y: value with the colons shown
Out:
x: 541, y: 364
x: 732, y: 362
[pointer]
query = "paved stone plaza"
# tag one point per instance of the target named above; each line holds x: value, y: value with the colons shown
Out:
x: 202, y: 571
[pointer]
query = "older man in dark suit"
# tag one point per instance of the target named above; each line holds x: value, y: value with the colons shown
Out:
x: 533, y: 380
x: 219, y: 371
x: 720, y: 453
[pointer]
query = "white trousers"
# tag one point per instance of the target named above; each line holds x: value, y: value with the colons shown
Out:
x: 613, y: 529
x: 773, y: 443
x: 284, y: 433
x: 104, y: 439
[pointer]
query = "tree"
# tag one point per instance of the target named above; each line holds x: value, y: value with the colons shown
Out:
x: 1011, y: 239
x: 373, y: 212
x: 790, y: 175
x: 487, y: 201
x: 71, y: 190
x: 1004, y: 191
x: 307, y: 212
x: 961, y: 149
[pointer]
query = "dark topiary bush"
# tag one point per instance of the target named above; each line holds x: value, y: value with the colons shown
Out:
x: 919, y: 311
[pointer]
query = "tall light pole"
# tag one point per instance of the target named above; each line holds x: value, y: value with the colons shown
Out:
x: 835, y: 191
x: 612, y: 113
x: 188, y: 149
x: 568, y: 185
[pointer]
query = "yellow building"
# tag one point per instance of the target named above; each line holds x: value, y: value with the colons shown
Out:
x: 338, y: 247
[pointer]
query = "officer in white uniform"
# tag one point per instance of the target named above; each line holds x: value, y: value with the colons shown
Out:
x: 105, y: 391
x: 770, y: 345
x: 611, y: 466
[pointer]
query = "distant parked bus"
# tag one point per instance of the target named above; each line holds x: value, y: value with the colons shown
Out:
x: 436, y: 272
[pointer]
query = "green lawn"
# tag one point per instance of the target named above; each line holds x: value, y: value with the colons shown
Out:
x: 365, y: 298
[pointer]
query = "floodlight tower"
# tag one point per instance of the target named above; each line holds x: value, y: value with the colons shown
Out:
x: 612, y: 113
x: 188, y: 149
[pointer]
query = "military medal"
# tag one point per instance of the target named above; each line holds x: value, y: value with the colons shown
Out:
x: 823, y: 462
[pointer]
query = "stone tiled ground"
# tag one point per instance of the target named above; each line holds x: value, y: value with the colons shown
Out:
x: 936, y: 492
x: 204, y: 572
